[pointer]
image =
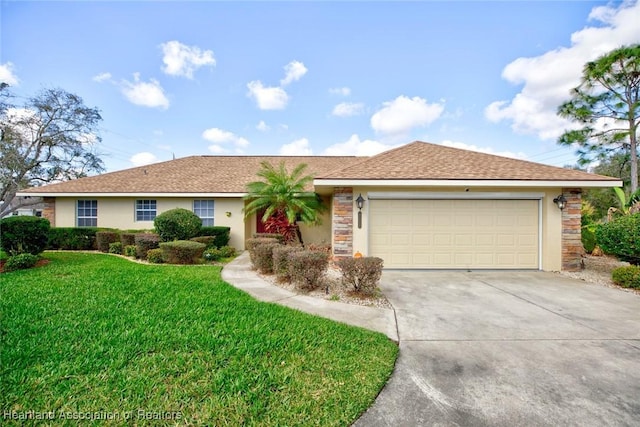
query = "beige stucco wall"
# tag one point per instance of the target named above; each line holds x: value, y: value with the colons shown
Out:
x: 120, y: 213
x: 551, y: 221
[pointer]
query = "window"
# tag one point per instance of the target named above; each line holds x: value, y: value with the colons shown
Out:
x: 87, y: 213
x: 204, y: 209
x: 145, y: 210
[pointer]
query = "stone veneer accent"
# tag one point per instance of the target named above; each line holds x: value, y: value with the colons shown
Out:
x: 572, y: 249
x: 49, y: 210
x: 342, y: 221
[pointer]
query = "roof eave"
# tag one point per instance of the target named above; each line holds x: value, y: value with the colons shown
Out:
x: 144, y: 194
x: 466, y: 183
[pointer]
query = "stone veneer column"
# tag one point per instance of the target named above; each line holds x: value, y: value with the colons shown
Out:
x: 572, y: 249
x: 49, y: 210
x: 342, y: 222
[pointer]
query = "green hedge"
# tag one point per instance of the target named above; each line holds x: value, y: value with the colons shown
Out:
x: 146, y: 242
x: 182, y: 251
x: 72, y: 238
x: 220, y: 233
x: 24, y: 234
x: 621, y: 238
x: 627, y: 277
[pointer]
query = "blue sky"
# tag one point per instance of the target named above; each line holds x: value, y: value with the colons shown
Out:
x: 190, y: 78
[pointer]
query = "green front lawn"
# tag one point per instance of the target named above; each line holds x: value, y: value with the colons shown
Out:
x: 93, y: 333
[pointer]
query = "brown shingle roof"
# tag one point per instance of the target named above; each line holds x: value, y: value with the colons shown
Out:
x: 195, y: 174
x: 424, y: 161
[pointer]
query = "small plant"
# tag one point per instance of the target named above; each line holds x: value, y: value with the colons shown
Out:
x: 627, y: 277
x: 115, y: 248
x: 130, y: 251
x: 306, y: 268
x: 145, y: 242
x: 182, y: 252
x: 335, y: 297
x: 20, y: 262
x: 155, y: 256
x: 263, y: 256
x: 228, y: 251
x: 588, y: 238
x: 281, y: 257
x: 621, y: 237
x: 212, y: 254
x: 361, y: 273
x: 177, y: 224
x: 24, y: 234
x: 106, y: 238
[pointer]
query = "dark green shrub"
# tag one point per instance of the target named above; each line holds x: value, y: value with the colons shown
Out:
x: 182, y: 251
x: 24, y: 234
x: 145, y: 242
x: 252, y: 243
x: 131, y: 251
x: 588, y: 239
x: 128, y: 239
x: 361, y: 273
x: 115, y: 248
x: 72, y: 238
x: 212, y: 254
x: 155, y: 256
x: 105, y: 238
x: 263, y: 256
x: 228, y: 251
x: 627, y: 277
x: 281, y: 256
x: 277, y: 236
x: 177, y: 224
x: 220, y: 233
x: 621, y: 238
x: 209, y: 241
x: 20, y: 262
x: 306, y: 268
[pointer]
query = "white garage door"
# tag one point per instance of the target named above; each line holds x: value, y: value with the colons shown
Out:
x: 473, y: 234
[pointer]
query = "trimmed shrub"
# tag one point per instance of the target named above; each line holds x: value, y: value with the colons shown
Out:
x: 145, y: 242
x: 621, y: 238
x: 212, y: 254
x: 627, y: 277
x: 361, y: 273
x: 209, y: 241
x: 177, y: 224
x: 277, y: 236
x: 220, y: 233
x: 155, y: 256
x: 128, y: 239
x: 281, y: 257
x: 588, y: 239
x: 24, y: 234
x: 72, y: 238
x: 228, y: 251
x: 306, y: 268
x: 20, y: 262
x: 131, y: 250
x: 182, y: 251
x: 252, y: 243
x: 115, y: 248
x: 263, y: 256
x: 105, y: 238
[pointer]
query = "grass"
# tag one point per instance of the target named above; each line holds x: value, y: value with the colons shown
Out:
x: 92, y: 333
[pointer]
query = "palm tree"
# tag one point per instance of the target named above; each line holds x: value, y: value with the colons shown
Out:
x: 283, y: 198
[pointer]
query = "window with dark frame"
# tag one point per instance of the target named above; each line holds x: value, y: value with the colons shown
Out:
x: 145, y: 210
x: 87, y: 213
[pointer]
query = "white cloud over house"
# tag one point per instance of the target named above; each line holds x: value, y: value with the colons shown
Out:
x: 8, y: 75
x: 102, y: 77
x: 275, y: 97
x: 299, y: 147
x: 547, y: 79
x: 356, y: 147
x: 487, y: 150
x: 146, y: 94
x: 294, y: 71
x: 348, y: 109
x: 143, y: 158
x: 222, y: 139
x: 262, y: 126
x: 182, y: 60
x: 401, y: 115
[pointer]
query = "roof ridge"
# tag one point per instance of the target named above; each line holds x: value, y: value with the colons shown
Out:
x: 365, y: 159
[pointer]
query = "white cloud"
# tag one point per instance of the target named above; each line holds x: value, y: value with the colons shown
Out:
x: 347, y: 109
x: 7, y: 75
x: 487, y: 150
x: 267, y: 98
x: 147, y: 94
x: 343, y: 91
x: 547, y: 79
x: 219, y: 137
x: 262, y: 126
x: 355, y: 147
x: 403, y: 113
x: 102, y: 77
x: 294, y: 71
x: 299, y: 147
x: 182, y: 60
x: 144, y: 158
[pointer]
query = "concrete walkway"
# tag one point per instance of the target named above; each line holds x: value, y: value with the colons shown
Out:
x: 239, y: 274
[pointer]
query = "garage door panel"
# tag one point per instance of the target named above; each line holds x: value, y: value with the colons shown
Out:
x: 455, y: 233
